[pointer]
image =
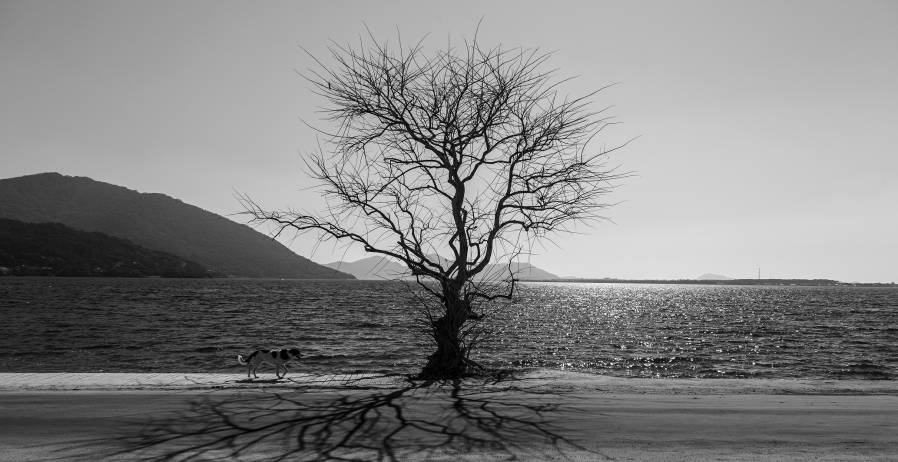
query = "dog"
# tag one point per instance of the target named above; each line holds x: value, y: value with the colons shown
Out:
x: 279, y: 358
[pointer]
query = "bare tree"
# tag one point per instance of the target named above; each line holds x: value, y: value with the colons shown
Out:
x: 447, y: 162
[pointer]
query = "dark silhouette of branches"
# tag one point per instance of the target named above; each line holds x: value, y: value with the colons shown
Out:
x: 448, y: 162
x: 421, y: 420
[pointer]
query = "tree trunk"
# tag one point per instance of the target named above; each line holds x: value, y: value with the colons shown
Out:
x: 451, y: 359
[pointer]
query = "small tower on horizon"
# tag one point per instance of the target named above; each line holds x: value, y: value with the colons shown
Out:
x: 759, y: 273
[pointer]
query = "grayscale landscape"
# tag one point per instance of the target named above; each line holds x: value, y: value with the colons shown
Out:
x: 448, y: 231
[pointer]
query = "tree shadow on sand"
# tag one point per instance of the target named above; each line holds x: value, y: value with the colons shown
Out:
x: 497, y: 418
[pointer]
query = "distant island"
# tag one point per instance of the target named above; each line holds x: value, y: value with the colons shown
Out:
x: 728, y: 282
x: 156, y: 222
x: 713, y: 277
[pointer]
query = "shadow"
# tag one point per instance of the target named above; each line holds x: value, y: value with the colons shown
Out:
x: 260, y: 381
x: 500, y: 418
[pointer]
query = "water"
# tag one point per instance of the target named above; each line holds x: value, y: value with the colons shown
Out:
x: 159, y: 325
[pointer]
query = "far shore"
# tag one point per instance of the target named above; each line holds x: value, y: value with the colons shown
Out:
x: 725, y: 282
x: 536, y: 415
x: 714, y: 282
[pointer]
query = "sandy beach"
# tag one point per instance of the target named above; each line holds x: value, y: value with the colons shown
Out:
x: 540, y: 415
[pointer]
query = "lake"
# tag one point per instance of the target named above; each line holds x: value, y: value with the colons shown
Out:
x: 199, y: 325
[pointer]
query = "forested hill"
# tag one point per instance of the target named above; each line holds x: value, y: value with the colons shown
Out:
x: 52, y: 249
x: 157, y: 222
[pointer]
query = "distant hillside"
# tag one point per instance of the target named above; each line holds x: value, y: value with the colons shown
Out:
x: 371, y: 268
x: 154, y: 221
x: 733, y: 282
x: 523, y: 271
x: 384, y: 268
x: 713, y: 277
x: 52, y: 249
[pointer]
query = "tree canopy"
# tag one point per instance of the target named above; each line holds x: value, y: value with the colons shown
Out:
x: 449, y: 161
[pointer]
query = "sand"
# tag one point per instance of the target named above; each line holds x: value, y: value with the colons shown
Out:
x: 541, y: 415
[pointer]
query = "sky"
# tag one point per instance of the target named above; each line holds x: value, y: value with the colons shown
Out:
x: 767, y: 131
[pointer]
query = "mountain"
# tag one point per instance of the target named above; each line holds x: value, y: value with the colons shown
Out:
x: 528, y: 272
x: 371, y: 268
x: 385, y: 268
x: 157, y: 222
x: 713, y: 277
x: 52, y: 249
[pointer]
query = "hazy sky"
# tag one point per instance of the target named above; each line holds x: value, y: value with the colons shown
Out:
x: 768, y: 130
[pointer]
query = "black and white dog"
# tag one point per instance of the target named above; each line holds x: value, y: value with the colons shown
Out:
x: 279, y: 358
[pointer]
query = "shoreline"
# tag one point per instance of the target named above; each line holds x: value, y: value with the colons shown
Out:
x: 538, y: 415
x: 550, y: 378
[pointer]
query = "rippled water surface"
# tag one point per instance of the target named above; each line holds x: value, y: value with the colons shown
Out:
x: 62, y: 324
